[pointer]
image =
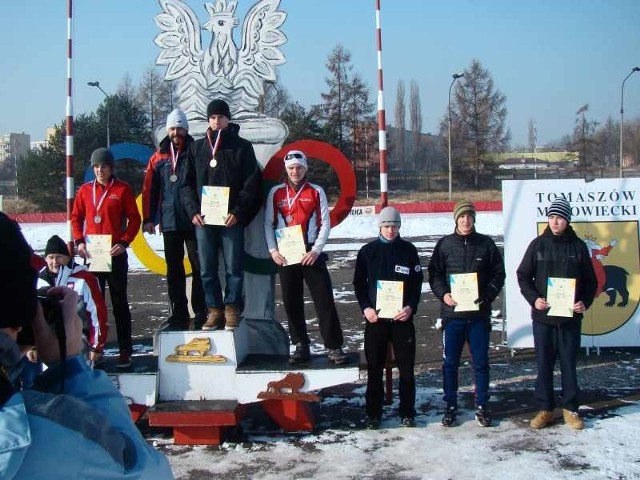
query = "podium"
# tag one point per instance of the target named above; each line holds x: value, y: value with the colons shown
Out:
x: 200, y: 382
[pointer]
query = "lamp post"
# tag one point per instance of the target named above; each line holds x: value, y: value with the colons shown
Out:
x: 454, y: 77
x: 633, y: 70
x: 97, y: 85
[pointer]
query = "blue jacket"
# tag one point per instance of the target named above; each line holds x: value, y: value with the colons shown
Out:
x: 160, y: 196
x: 87, y: 432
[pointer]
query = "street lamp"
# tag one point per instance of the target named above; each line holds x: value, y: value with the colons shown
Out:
x: 106, y: 103
x: 633, y: 70
x: 454, y: 77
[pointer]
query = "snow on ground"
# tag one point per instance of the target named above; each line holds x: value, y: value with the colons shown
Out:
x: 607, y: 449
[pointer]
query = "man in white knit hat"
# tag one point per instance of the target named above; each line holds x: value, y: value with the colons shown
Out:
x: 161, y: 206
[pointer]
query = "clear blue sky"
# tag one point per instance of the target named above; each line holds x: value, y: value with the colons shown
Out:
x: 549, y: 57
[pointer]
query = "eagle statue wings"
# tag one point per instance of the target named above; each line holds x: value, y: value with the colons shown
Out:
x: 221, y: 69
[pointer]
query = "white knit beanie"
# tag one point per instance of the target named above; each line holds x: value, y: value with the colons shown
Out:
x: 177, y: 119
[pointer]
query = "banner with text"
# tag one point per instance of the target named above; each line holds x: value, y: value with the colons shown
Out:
x: 605, y: 214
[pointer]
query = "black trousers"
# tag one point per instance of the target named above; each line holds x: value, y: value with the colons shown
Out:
x: 560, y: 343
x: 117, y: 281
x: 174, y: 246
x: 402, y: 335
x: 318, y: 281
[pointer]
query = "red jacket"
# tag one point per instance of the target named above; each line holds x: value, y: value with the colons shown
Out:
x: 118, y: 212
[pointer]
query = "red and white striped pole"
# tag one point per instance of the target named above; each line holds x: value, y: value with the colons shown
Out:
x: 382, y: 126
x: 69, y: 124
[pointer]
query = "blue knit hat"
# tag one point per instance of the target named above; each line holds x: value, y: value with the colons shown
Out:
x: 561, y: 208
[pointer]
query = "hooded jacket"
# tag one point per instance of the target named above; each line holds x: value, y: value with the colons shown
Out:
x: 93, y: 309
x: 563, y: 256
x: 160, y: 196
x: 235, y: 167
x: 86, y: 432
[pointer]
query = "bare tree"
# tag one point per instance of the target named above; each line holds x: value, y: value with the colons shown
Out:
x: 415, y: 124
x: 398, y: 148
x: 275, y: 99
x: 582, y: 137
x: 533, y: 142
x: 156, y: 97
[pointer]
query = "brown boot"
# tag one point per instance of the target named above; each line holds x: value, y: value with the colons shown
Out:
x: 215, y: 320
x: 232, y: 317
x: 541, y: 420
x: 572, y: 419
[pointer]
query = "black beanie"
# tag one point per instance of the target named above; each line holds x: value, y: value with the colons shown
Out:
x: 56, y: 245
x: 102, y: 156
x: 218, y: 106
x: 17, y: 277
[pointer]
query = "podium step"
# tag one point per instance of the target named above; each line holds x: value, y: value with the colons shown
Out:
x: 196, y: 422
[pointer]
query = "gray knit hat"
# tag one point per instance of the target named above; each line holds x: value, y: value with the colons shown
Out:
x: 102, y: 156
x: 561, y: 208
x: 389, y: 216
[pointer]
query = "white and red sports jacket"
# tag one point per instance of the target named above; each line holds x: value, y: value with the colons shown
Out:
x: 85, y: 283
x: 307, y: 207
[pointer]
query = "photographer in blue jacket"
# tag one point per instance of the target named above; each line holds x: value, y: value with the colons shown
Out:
x: 73, y: 423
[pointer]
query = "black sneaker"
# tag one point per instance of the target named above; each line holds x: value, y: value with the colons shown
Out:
x: 301, y: 355
x: 449, y: 418
x: 372, y: 423
x: 337, y: 356
x: 483, y: 416
x: 408, y: 422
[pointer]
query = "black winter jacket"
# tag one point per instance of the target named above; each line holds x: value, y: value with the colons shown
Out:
x: 236, y: 167
x: 563, y: 256
x: 475, y: 252
x: 397, y: 260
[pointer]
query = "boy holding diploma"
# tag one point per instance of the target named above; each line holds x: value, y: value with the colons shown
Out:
x: 221, y: 195
x: 297, y: 226
x: 106, y: 209
x: 388, y: 282
x: 557, y: 260
x: 466, y: 274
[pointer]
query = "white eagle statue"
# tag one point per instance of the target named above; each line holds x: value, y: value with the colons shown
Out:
x: 220, y: 70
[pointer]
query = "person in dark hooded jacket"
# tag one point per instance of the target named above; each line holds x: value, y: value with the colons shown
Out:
x: 393, y: 261
x: 222, y: 159
x: 557, y: 253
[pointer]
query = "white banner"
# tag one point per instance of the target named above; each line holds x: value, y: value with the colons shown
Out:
x: 605, y: 214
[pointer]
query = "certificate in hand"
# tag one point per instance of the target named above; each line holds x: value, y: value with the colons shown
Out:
x: 388, y: 298
x: 291, y: 244
x: 561, y: 293
x: 214, y: 206
x: 99, y: 248
x: 464, y: 291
